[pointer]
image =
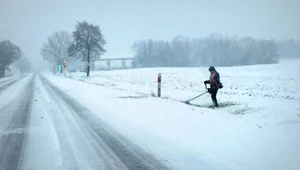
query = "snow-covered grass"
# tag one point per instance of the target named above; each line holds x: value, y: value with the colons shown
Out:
x: 256, y: 127
x: 273, y: 81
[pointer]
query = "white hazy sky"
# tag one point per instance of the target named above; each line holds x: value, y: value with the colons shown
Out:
x: 28, y: 23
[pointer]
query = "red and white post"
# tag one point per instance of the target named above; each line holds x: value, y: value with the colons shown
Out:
x: 159, y: 85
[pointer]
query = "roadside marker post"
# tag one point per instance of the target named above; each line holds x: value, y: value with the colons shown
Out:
x: 159, y: 85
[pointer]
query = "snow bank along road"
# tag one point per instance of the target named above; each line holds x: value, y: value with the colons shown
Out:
x: 42, y: 128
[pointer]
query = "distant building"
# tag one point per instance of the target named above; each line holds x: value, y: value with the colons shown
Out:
x: 105, y: 63
x: 114, y: 62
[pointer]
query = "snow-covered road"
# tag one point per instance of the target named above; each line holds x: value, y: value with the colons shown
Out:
x: 42, y: 128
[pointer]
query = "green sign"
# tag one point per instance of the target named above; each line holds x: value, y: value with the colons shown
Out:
x: 59, y: 68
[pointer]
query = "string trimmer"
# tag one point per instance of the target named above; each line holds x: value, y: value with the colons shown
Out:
x: 188, y: 101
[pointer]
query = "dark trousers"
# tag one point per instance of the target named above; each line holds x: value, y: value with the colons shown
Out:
x: 214, y: 96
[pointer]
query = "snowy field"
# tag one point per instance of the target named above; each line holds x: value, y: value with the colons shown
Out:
x: 256, y: 127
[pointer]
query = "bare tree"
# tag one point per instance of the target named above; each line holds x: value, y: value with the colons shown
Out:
x: 56, y: 48
x: 8, y: 54
x: 289, y: 48
x: 23, y: 65
x: 88, y: 43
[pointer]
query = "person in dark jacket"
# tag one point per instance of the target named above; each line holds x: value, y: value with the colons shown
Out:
x: 215, y: 84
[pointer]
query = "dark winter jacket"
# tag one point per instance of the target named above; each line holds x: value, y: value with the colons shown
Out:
x: 214, y: 80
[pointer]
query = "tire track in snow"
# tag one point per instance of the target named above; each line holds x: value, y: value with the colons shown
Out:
x: 11, y: 82
x: 6, y: 79
x: 108, y: 140
x: 3, y: 81
x: 12, y: 144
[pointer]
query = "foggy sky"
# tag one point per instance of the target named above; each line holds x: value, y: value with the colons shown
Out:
x: 28, y: 23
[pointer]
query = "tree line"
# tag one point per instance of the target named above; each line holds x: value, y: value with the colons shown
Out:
x: 10, y: 53
x: 216, y: 49
x: 289, y: 48
x: 86, y: 43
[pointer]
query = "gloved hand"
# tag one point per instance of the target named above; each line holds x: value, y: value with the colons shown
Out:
x: 221, y: 86
x: 209, y: 90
